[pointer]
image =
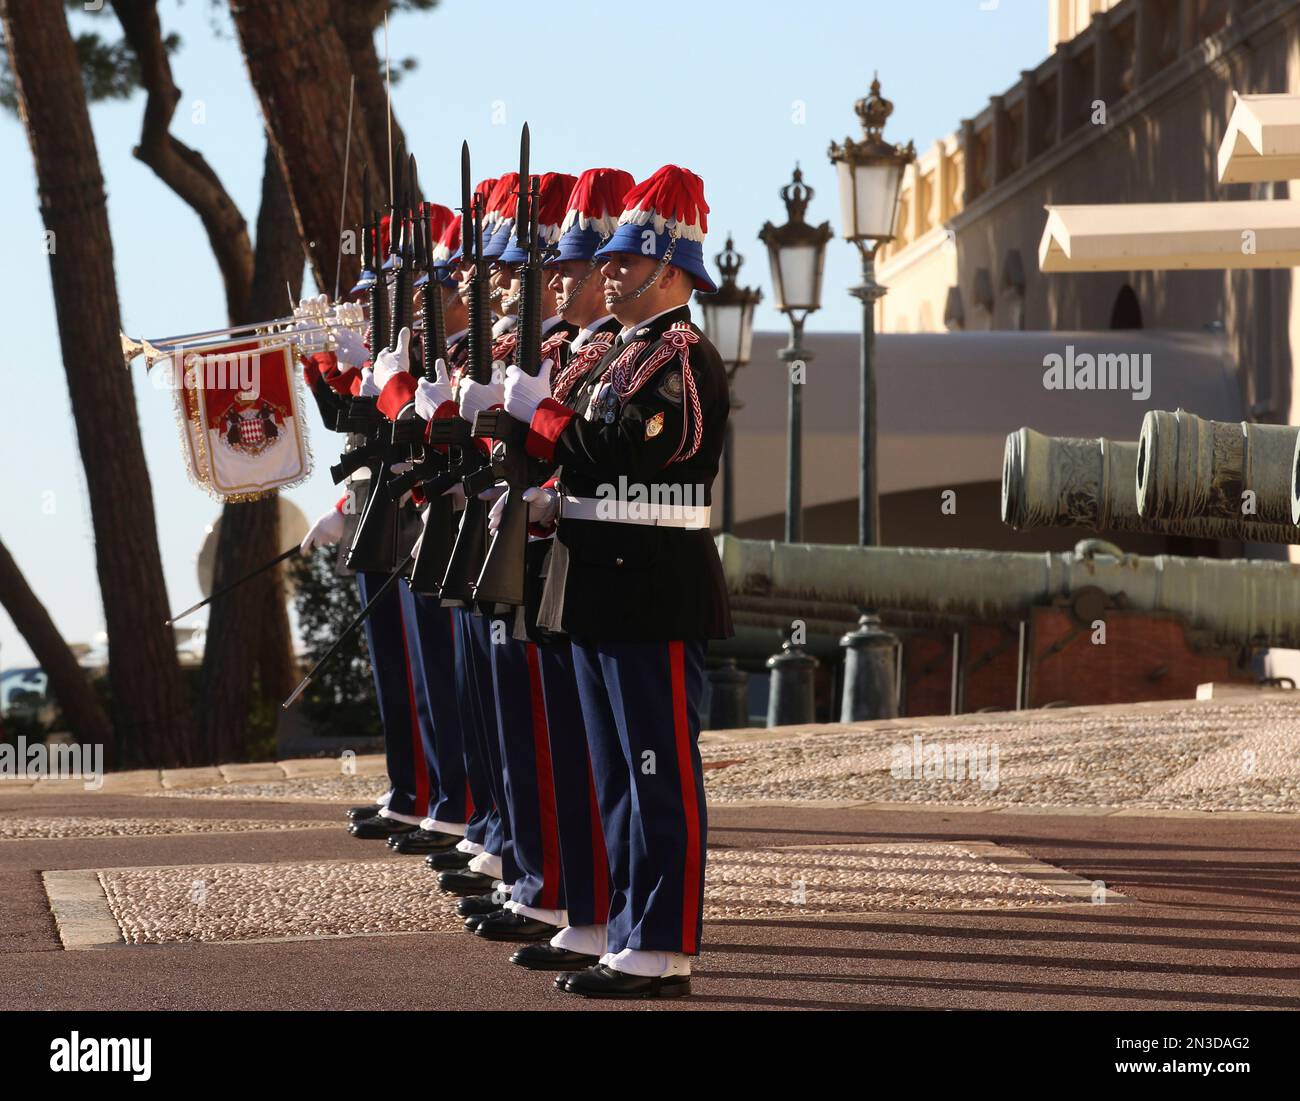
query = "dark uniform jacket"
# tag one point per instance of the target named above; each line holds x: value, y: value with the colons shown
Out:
x: 652, y: 414
x: 537, y: 552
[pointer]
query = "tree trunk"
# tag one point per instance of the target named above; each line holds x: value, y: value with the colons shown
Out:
x: 356, y: 21
x: 248, y: 657
x: 300, y: 71
x: 150, y: 707
x: 67, y: 680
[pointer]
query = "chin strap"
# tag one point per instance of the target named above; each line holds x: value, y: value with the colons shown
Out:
x: 562, y: 305
x: 650, y: 280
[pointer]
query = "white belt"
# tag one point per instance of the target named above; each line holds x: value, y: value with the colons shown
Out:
x: 650, y: 514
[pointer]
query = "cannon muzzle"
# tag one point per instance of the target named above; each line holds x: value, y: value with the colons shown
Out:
x: 1062, y: 481
x: 1190, y: 467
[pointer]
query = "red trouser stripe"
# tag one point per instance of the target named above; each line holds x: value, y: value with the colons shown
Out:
x: 599, y: 857
x: 691, y: 885
x: 545, y: 786
x: 417, y: 744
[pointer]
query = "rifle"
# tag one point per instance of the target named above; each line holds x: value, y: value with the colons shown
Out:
x: 351, y: 628
x: 501, y: 580
x: 374, y: 545
x: 436, y: 472
x: 471, y: 540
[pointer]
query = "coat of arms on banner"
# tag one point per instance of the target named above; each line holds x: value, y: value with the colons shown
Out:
x: 242, y: 426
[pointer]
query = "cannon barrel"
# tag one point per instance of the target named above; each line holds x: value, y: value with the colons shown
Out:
x: 1188, y: 466
x: 1064, y: 481
x: 1238, y: 602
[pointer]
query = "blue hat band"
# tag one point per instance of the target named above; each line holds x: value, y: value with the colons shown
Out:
x: 493, y: 249
x: 576, y: 244
x: 642, y: 240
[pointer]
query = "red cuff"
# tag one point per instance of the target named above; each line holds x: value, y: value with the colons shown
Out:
x: 553, y: 482
x: 417, y: 495
x: 341, y: 505
x: 354, y: 384
x: 549, y: 421
x: 444, y: 412
x: 318, y: 365
x: 397, y: 395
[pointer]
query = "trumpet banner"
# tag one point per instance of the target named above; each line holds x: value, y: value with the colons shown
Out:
x: 240, y: 412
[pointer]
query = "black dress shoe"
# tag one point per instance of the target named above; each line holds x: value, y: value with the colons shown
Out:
x: 368, y: 811
x: 478, y: 905
x: 546, y: 957
x: 450, y: 860
x: 377, y: 829
x: 475, y: 920
x: 421, y: 841
x: 466, y: 883
x: 604, y: 982
x: 509, y: 925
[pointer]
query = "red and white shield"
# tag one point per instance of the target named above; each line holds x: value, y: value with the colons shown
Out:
x: 252, y: 434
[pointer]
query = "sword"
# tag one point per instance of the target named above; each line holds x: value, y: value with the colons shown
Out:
x: 305, y: 683
x: 233, y: 585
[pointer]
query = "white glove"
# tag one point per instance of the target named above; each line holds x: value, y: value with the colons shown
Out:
x: 430, y: 395
x: 392, y: 362
x: 475, y: 397
x: 325, y: 532
x: 368, y: 387
x: 493, y: 492
x: 524, y: 393
x: 400, y: 468
x: 350, y: 349
x: 495, y: 513
x: 543, y: 505
x: 457, y: 495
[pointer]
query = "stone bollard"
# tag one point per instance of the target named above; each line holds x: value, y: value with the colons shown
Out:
x: 870, y: 672
x: 790, y: 699
x: 728, y: 696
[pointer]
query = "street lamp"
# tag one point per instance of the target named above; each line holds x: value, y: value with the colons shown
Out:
x: 729, y: 322
x: 797, y: 252
x: 870, y: 175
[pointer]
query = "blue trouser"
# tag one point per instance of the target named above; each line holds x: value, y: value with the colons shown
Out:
x: 433, y: 676
x: 534, y: 843
x: 640, y: 704
x: 583, y: 863
x: 484, y: 826
x: 408, y: 772
x: 479, y: 662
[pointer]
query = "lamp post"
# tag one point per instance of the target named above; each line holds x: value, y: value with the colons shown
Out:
x: 729, y: 322
x: 797, y: 253
x: 870, y: 175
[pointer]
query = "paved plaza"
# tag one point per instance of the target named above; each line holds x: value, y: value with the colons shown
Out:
x: 1139, y: 856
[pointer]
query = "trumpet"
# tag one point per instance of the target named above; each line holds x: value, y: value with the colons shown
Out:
x: 291, y: 327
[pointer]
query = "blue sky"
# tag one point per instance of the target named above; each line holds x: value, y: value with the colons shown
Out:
x: 736, y: 90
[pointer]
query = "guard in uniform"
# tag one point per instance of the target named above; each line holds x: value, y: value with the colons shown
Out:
x: 635, y: 580
x: 428, y: 626
x: 590, y: 217
x: 345, y: 372
x: 536, y: 907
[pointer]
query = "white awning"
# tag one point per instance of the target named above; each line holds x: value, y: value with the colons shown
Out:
x: 1258, y: 233
x: 1263, y: 140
